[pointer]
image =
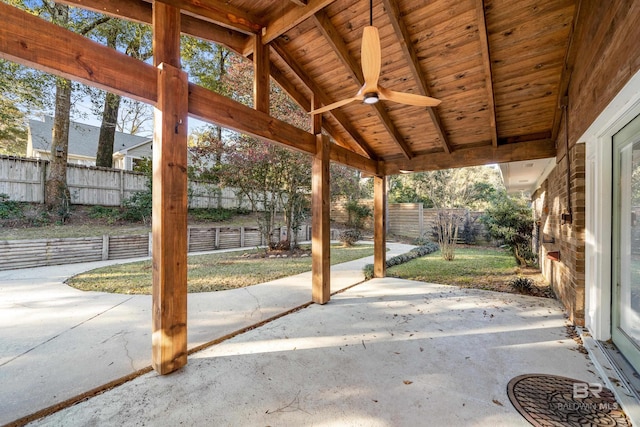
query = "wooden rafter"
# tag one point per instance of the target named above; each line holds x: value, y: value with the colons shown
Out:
x: 340, y: 48
x: 286, y: 85
x: 486, y: 63
x: 299, y: 2
x: 322, y: 97
x: 140, y: 11
x: 402, y: 33
x: 292, y: 17
x: 477, y: 156
x: 221, y: 13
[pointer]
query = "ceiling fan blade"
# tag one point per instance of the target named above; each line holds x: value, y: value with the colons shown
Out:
x: 336, y: 105
x: 370, y: 56
x: 407, y: 98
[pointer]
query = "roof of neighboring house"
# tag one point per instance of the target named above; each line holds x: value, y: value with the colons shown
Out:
x: 83, y: 138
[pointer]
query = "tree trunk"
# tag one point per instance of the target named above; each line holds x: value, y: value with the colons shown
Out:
x: 104, y: 156
x: 57, y: 193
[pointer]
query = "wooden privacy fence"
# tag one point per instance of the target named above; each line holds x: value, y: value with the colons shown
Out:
x: 412, y: 219
x: 23, y: 180
x: 15, y: 254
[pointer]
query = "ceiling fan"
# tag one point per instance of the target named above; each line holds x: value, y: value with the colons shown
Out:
x: 371, y: 92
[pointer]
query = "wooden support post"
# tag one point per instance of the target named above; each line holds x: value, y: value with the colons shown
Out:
x: 379, y: 229
x: 169, y: 229
x: 320, y: 229
x: 261, y: 70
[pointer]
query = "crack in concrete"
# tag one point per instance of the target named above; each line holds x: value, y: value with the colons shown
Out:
x: 126, y: 350
x: 63, y: 332
x: 259, y: 307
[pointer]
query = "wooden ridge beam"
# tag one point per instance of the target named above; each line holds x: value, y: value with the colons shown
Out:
x: 221, y: 13
x: 478, y: 156
x: 402, y: 33
x: 340, y: 48
x: 322, y: 97
x: 140, y: 11
x: 488, y: 75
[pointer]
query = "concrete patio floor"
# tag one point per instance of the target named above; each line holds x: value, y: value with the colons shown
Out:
x: 387, y: 352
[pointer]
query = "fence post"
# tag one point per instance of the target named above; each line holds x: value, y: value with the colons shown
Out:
x: 188, y: 239
x: 150, y: 243
x: 217, y: 242
x: 242, y: 237
x: 421, y: 219
x: 105, y: 247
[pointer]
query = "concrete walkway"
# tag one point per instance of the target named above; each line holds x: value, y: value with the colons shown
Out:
x: 57, y: 342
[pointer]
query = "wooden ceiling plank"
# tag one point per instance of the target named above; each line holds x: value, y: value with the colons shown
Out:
x: 292, y: 17
x: 140, y: 11
x: 340, y: 48
x: 221, y: 13
x: 313, y: 87
x: 478, y: 156
x: 402, y: 33
x: 299, y: 2
x: 488, y: 75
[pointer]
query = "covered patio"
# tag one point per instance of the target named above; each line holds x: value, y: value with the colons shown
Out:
x: 517, y: 80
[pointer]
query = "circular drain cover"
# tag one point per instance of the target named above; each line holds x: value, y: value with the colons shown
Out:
x: 550, y: 400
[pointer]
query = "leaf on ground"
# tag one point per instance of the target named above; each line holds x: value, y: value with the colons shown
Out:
x: 407, y: 382
x: 497, y: 402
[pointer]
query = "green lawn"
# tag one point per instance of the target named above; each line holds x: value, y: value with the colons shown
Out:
x: 212, y: 272
x: 481, y: 268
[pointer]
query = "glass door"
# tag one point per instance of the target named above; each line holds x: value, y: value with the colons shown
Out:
x: 626, y: 242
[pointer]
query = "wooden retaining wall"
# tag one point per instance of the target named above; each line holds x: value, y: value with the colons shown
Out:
x: 15, y: 254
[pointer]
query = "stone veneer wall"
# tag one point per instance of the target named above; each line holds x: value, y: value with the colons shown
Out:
x: 566, y: 275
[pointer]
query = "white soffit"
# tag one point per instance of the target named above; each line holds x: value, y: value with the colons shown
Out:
x: 526, y: 175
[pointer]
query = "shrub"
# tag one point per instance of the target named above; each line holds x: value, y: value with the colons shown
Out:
x: 357, y: 214
x: 510, y: 221
x: 414, y: 253
x: 138, y: 207
x: 111, y: 214
x: 350, y: 237
x: 9, y: 208
x: 212, y: 214
x: 522, y: 284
